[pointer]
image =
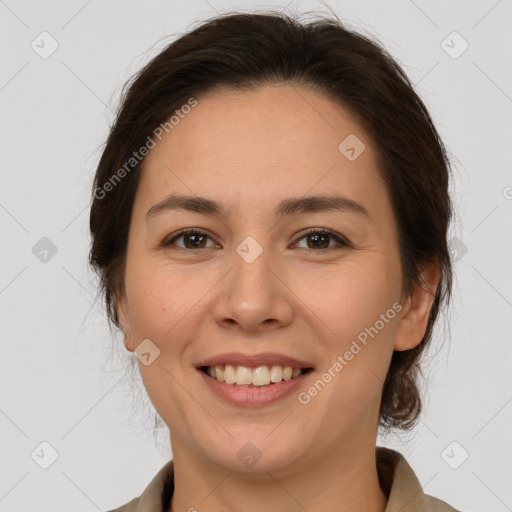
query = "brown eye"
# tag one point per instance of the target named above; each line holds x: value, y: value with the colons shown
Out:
x: 192, y: 239
x: 321, y: 238
x: 316, y: 239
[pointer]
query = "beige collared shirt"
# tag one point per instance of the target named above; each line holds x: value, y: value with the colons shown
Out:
x: 398, y: 480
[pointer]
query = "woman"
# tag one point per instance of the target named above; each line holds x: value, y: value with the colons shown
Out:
x: 269, y: 223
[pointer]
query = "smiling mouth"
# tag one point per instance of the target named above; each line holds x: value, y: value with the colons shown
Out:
x: 259, y: 376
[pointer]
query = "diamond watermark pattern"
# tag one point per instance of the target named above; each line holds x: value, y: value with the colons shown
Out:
x: 351, y: 147
x: 454, y: 455
x: 44, y: 455
x: 249, y: 249
x: 44, y: 45
x: 249, y: 454
x: 457, y: 249
x: 147, y: 352
x: 454, y: 45
x: 44, y: 250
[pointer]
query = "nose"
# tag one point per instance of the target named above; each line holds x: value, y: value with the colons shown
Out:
x: 254, y: 295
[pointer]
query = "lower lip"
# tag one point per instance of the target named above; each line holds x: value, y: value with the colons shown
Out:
x: 253, y: 396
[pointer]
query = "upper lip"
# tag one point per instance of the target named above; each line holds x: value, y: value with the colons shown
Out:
x: 265, y: 358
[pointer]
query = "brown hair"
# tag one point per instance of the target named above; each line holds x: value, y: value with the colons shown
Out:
x: 244, y: 51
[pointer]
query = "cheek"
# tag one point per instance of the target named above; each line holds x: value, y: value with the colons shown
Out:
x: 159, y: 301
x: 356, y: 304
x: 360, y: 309
x: 169, y: 305
x: 163, y: 306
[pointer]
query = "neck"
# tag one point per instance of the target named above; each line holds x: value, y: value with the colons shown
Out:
x: 342, y: 482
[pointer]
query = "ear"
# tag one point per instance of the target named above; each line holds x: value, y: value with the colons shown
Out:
x: 416, y: 309
x: 124, y: 319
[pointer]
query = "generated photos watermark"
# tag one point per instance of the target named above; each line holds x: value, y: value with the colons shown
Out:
x: 143, y: 151
x: 304, y: 397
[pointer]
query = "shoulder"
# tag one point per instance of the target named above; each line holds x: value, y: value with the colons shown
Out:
x: 402, y: 486
x: 156, y: 496
x: 436, y: 505
x: 127, y: 507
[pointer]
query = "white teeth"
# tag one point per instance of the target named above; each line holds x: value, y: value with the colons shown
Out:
x: 260, y: 376
x: 218, y: 374
x: 229, y: 374
x: 243, y: 376
x: 276, y: 374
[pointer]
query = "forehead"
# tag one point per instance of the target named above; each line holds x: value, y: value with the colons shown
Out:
x: 272, y: 142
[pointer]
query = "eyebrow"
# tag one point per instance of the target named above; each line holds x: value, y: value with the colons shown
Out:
x: 287, y: 207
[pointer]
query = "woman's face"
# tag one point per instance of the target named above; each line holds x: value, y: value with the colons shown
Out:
x: 249, y: 287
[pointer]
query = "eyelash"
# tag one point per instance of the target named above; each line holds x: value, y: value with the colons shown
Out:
x: 341, y: 240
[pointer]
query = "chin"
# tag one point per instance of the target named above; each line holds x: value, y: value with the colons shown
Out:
x: 254, y: 453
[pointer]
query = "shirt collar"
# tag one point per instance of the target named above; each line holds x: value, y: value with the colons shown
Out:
x: 396, y: 477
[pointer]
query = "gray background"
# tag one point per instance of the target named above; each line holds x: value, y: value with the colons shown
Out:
x: 60, y: 383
